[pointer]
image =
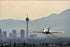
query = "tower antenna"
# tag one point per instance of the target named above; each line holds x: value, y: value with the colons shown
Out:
x: 27, y: 12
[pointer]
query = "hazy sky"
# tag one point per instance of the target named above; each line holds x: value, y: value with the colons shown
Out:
x: 36, y: 9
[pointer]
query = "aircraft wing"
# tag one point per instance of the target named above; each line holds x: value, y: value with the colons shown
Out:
x: 58, y: 32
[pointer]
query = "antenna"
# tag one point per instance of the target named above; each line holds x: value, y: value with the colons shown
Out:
x: 27, y: 12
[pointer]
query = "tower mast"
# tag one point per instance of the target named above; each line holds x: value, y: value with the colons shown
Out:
x: 27, y: 20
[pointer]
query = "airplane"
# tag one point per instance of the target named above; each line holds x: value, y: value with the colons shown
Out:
x: 45, y: 31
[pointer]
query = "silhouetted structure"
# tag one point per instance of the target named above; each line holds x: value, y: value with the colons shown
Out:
x: 27, y: 20
x: 14, y: 45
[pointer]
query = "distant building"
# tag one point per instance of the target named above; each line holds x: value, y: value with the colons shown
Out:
x: 33, y: 36
x: 27, y: 20
x: 14, y: 34
x: 22, y: 34
x: 0, y: 34
x: 4, y: 35
x: 10, y: 36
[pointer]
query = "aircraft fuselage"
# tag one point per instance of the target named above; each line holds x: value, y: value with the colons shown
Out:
x: 47, y: 33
